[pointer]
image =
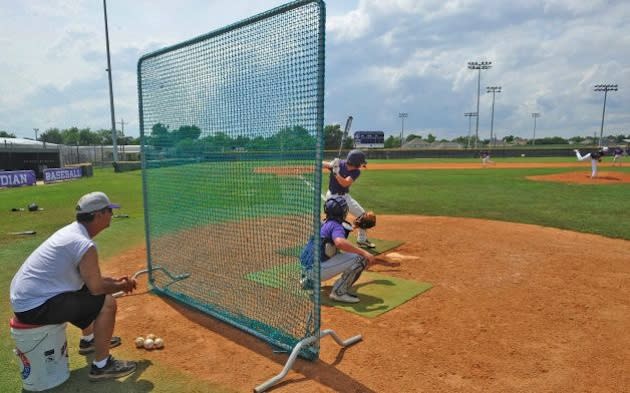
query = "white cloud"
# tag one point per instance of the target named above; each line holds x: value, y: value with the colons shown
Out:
x: 546, y: 55
x: 349, y: 27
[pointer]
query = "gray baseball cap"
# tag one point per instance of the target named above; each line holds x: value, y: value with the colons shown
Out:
x: 94, y: 201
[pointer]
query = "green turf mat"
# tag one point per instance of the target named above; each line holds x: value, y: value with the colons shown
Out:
x: 293, y: 251
x: 379, y: 293
x: 381, y: 245
x: 276, y: 276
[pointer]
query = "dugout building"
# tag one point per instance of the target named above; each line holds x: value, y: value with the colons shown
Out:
x: 23, y: 154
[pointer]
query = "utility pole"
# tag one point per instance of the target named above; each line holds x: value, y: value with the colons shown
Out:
x: 469, y: 115
x: 493, y: 90
x: 111, y: 89
x: 476, y: 65
x: 605, y: 89
x: 124, y: 140
x: 122, y: 126
x: 402, y: 117
x: 535, y: 115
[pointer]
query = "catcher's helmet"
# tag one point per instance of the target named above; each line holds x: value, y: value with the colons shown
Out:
x: 356, y: 158
x: 336, y: 208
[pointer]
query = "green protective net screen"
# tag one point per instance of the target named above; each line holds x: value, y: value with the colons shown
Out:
x: 231, y: 125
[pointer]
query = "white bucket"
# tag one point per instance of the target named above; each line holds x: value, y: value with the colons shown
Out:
x: 42, y: 353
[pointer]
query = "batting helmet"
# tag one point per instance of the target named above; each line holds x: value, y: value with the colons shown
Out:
x: 356, y: 158
x: 33, y: 207
x: 336, y: 208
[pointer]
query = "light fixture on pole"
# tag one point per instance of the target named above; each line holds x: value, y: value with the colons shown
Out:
x: 111, y: 89
x: 493, y: 90
x: 605, y: 89
x: 535, y: 115
x: 469, y: 115
x: 478, y: 65
x: 36, y: 131
x: 402, y: 117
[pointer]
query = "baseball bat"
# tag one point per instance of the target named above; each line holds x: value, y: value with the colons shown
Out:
x: 346, y: 130
x: 308, y: 183
x: 23, y: 233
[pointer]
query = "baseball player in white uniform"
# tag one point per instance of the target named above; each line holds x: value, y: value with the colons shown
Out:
x: 595, y: 157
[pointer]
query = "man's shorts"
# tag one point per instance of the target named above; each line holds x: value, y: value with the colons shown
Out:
x: 80, y: 308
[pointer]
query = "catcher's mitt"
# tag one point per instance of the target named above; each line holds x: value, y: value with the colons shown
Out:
x: 366, y: 220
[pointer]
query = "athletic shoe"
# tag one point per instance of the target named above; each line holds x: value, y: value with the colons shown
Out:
x: 306, y: 283
x: 113, y: 369
x: 345, y: 298
x: 366, y: 244
x: 86, y: 347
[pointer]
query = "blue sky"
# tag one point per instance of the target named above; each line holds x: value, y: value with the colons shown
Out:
x: 383, y: 57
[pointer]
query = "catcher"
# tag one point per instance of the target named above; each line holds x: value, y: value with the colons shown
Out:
x: 343, y: 173
x: 337, y: 254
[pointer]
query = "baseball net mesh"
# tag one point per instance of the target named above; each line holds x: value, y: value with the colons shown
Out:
x: 231, y: 124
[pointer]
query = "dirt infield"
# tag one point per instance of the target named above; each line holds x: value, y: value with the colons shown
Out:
x: 514, y: 308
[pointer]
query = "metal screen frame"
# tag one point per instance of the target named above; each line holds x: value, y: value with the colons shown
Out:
x: 284, y: 343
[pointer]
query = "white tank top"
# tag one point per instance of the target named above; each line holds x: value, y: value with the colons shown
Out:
x: 51, y: 269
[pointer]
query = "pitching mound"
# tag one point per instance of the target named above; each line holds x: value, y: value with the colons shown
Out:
x: 583, y: 177
x: 514, y: 307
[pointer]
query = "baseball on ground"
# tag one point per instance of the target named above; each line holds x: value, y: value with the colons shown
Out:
x: 151, y: 336
x: 139, y: 342
x: 158, y: 343
x: 148, y: 343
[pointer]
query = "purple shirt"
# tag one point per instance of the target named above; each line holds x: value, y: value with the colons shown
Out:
x: 332, y: 230
x: 333, y: 185
x: 329, y: 231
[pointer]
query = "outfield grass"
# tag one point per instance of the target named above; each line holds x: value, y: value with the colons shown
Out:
x: 498, y: 194
x: 475, y: 160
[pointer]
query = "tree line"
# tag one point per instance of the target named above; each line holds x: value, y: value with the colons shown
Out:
x: 188, y: 138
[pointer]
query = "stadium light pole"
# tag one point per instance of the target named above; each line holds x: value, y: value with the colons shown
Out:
x: 493, y: 90
x: 535, y: 115
x: 469, y: 115
x: 605, y: 88
x: 36, y: 131
x: 402, y: 117
x: 111, y: 90
x: 476, y: 65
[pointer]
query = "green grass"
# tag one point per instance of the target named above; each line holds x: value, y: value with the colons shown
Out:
x: 58, y: 202
x: 476, y: 160
x: 498, y: 194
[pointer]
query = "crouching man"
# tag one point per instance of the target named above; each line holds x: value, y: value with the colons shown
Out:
x: 337, y: 255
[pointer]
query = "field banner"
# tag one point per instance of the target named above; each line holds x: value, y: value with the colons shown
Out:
x: 58, y: 174
x: 17, y: 178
